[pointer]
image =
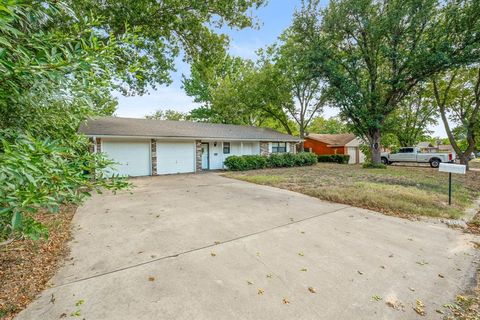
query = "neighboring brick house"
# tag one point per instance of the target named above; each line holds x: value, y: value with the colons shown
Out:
x: 326, y: 144
x: 143, y: 147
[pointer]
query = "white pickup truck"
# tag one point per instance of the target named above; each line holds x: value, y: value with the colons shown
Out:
x: 413, y: 154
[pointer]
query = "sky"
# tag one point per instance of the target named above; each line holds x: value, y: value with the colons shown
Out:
x: 273, y: 18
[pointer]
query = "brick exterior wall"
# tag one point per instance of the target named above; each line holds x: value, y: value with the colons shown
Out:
x: 153, y: 154
x: 198, y: 155
x: 99, y: 144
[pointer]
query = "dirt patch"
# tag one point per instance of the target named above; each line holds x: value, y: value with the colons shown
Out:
x: 26, y: 265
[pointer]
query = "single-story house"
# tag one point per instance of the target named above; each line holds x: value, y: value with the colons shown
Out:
x: 143, y: 147
x: 326, y: 144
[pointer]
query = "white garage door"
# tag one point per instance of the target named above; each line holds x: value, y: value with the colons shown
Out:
x: 133, y: 157
x: 175, y: 157
x: 352, y: 151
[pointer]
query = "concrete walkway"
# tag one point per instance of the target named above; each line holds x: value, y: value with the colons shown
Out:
x: 207, y: 247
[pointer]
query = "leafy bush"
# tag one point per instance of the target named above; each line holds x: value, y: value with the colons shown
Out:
x: 247, y: 162
x: 251, y: 162
x: 38, y: 173
x: 369, y: 165
x: 305, y: 159
x: 337, y: 158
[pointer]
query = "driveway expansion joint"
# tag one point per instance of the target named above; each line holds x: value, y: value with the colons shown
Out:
x: 176, y: 255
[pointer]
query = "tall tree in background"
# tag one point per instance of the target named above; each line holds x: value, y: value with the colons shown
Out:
x: 373, y: 53
x: 307, y: 88
x: 168, y: 114
x: 415, y: 114
x: 166, y: 29
x: 457, y: 95
x: 331, y: 125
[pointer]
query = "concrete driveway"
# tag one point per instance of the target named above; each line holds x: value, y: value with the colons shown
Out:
x: 207, y: 247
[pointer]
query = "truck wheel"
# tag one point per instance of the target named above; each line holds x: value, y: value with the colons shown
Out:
x: 435, y: 163
x: 385, y: 161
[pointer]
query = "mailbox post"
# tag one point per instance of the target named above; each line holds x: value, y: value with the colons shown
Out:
x: 452, y: 168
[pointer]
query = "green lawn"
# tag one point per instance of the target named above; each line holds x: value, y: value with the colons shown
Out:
x: 398, y: 190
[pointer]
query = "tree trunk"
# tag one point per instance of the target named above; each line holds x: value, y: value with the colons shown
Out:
x: 465, y: 159
x: 302, y: 136
x: 375, y: 148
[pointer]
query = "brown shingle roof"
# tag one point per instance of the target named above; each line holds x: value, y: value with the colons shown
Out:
x: 333, y: 140
x: 132, y: 127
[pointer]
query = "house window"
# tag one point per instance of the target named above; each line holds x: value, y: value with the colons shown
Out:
x: 279, y: 147
x: 226, y: 148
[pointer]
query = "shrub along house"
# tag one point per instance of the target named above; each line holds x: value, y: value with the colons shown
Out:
x: 143, y: 147
x: 328, y: 144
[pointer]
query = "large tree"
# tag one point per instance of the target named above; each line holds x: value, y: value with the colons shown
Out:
x: 373, y: 53
x: 307, y: 88
x: 166, y: 29
x: 410, y: 123
x: 457, y: 95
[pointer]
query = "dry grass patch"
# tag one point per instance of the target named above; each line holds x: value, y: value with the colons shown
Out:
x: 26, y: 266
x: 403, y: 191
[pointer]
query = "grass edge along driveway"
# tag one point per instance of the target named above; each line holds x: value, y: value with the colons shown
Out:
x: 397, y: 190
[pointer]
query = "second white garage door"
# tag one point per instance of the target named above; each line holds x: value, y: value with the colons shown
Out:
x: 175, y: 157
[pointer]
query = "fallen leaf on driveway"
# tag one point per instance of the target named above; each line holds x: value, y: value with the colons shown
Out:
x: 359, y: 272
x: 213, y: 254
x: 303, y: 269
x: 394, y: 304
x: 249, y: 282
x: 411, y: 289
x: 376, y: 298
x: 301, y: 254
x: 151, y: 278
x: 312, y: 289
x: 422, y: 263
x: 285, y: 301
x: 260, y: 291
x: 269, y: 275
x: 217, y: 242
x: 441, y: 275
x: 419, y: 308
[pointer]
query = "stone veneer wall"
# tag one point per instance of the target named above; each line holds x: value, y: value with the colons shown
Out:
x: 264, y: 148
x: 99, y: 144
x: 153, y: 154
x: 198, y: 155
x: 293, y: 147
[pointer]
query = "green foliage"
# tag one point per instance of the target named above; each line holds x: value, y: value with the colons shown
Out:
x: 457, y: 96
x: 337, y: 158
x: 44, y: 174
x: 251, y: 162
x: 369, y: 165
x: 373, y: 53
x: 168, y: 114
x: 410, y: 122
x: 247, y: 162
x: 331, y: 125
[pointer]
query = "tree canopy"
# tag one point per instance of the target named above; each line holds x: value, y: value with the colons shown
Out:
x: 373, y: 53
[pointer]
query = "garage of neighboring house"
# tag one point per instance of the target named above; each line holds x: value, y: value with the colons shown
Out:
x: 327, y: 144
x: 142, y: 147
